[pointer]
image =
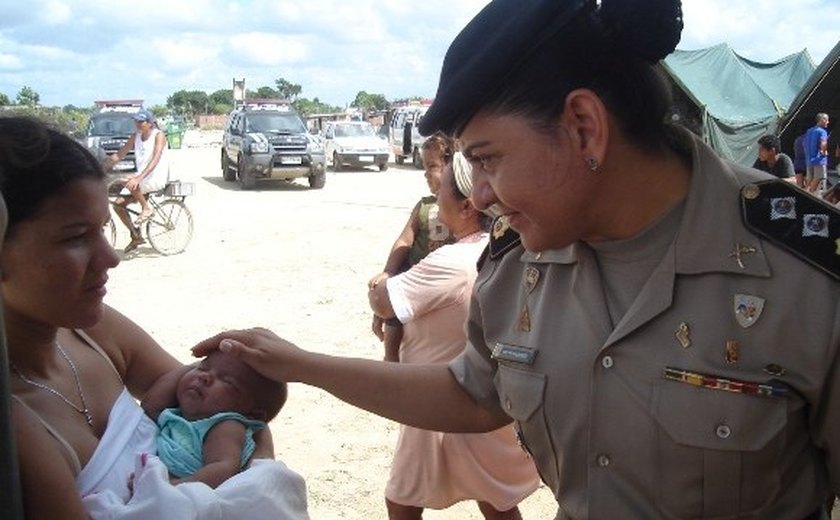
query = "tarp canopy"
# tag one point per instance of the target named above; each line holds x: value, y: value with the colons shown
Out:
x: 731, y: 101
x: 820, y: 94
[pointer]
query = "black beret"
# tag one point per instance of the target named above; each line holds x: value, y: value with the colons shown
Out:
x: 487, y: 50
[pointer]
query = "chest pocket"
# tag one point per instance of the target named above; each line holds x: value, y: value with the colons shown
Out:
x: 521, y: 395
x: 717, y: 453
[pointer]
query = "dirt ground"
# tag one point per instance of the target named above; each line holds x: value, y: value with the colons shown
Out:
x: 295, y: 261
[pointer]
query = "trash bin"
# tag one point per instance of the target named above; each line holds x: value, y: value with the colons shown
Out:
x: 174, y: 135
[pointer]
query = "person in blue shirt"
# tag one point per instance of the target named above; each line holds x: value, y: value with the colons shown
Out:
x: 222, y: 403
x: 816, y: 153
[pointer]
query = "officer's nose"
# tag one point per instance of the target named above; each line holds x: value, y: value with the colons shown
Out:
x: 482, y: 194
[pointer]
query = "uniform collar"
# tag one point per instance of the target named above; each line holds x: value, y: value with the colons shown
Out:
x: 712, y: 236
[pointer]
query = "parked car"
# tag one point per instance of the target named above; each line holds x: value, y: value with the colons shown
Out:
x: 403, y: 136
x: 267, y: 140
x: 110, y: 127
x: 354, y: 143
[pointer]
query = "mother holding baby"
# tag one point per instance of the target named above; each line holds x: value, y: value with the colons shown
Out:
x: 77, y: 365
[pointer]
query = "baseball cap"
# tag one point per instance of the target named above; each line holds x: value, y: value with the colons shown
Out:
x: 144, y: 115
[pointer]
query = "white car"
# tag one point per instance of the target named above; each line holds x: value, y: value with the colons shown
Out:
x: 354, y: 143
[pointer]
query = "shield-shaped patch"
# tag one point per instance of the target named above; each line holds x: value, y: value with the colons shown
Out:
x: 747, y: 309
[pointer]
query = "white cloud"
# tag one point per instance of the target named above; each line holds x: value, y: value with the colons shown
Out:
x: 267, y: 49
x: 9, y: 62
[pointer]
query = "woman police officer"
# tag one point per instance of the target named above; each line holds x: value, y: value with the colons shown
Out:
x: 635, y: 313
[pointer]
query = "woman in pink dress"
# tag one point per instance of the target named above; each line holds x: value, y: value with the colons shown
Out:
x: 434, y: 469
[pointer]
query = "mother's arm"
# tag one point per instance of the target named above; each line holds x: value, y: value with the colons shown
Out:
x: 139, y: 359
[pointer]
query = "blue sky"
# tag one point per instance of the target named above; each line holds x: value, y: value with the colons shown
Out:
x: 77, y: 51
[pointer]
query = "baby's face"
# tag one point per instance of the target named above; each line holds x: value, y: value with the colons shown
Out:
x: 219, y: 383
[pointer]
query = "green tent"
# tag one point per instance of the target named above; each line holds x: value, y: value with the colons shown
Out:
x: 731, y: 101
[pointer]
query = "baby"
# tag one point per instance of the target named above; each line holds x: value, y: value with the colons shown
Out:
x: 222, y: 402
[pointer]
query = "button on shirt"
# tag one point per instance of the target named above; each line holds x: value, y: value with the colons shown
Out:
x: 610, y: 434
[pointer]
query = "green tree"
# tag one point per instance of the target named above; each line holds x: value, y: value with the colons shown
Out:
x: 370, y: 102
x: 28, y: 97
x: 221, y: 101
x: 159, y: 110
x: 188, y: 102
x: 306, y: 107
x: 287, y: 89
x: 4, y: 100
x: 265, y: 93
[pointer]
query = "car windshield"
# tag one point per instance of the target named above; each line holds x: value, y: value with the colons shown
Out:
x: 353, y: 131
x: 275, y: 123
x: 117, y: 124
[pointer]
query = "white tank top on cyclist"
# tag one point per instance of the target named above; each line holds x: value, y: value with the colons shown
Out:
x: 143, y: 152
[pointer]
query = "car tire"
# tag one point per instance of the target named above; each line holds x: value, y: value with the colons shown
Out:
x: 383, y: 166
x: 417, y: 159
x: 247, y: 181
x: 399, y: 159
x: 336, y: 162
x: 228, y: 173
x: 317, y: 180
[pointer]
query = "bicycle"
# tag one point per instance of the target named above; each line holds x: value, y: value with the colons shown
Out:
x: 169, y: 229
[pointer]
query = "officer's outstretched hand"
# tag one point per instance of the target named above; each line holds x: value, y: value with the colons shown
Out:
x: 261, y: 349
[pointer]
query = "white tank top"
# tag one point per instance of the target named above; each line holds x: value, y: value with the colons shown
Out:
x: 143, y: 152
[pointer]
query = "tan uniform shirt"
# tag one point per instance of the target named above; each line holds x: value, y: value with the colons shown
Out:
x: 622, y: 422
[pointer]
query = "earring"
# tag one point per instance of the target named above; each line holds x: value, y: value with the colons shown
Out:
x: 592, y: 164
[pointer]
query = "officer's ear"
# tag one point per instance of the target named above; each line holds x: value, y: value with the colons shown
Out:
x: 587, y: 121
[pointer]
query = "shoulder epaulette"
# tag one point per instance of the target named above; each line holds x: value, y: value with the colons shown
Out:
x: 502, y: 239
x: 793, y: 219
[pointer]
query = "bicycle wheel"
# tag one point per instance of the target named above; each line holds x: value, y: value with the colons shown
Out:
x: 110, y: 232
x: 170, y: 229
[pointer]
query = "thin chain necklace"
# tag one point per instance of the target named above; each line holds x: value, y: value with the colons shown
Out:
x: 83, y: 409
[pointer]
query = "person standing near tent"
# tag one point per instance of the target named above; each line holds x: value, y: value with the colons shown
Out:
x: 771, y: 159
x: 816, y: 153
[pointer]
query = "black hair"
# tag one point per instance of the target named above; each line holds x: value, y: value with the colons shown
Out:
x: 36, y: 163
x: 770, y: 142
x: 271, y: 397
x: 609, y: 49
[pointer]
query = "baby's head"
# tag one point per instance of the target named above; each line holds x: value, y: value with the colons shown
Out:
x: 223, y: 383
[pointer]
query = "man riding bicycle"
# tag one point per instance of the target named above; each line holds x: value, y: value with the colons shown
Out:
x: 151, y: 156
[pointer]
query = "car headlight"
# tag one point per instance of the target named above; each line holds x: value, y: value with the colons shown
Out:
x: 315, y: 147
x: 259, y: 147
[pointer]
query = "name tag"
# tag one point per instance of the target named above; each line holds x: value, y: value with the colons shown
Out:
x: 515, y: 354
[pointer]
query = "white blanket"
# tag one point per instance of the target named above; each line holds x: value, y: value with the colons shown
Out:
x: 268, y: 489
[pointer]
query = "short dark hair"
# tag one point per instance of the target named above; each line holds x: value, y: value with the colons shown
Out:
x: 770, y: 142
x: 271, y: 398
x: 36, y: 163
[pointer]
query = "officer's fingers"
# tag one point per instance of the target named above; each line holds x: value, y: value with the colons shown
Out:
x: 210, y: 344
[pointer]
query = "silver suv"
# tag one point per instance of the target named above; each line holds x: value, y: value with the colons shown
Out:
x: 266, y: 140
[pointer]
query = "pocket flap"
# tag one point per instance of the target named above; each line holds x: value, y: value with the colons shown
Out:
x: 520, y: 391
x: 718, y: 420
